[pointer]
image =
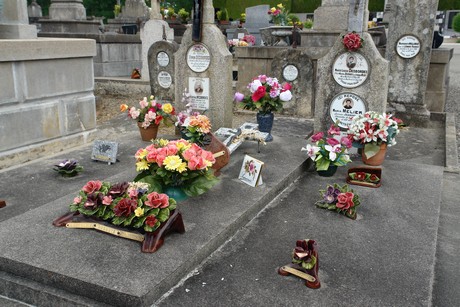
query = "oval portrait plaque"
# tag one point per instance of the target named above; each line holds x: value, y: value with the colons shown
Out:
x: 344, y: 107
x: 290, y: 72
x: 198, y: 58
x: 408, y: 46
x: 164, y: 79
x: 162, y: 59
x: 350, y: 69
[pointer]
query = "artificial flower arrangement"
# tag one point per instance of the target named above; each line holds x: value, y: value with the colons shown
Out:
x: 278, y: 14
x: 352, y: 41
x: 176, y: 163
x: 267, y: 95
x: 338, y: 198
x: 150, y: 112
x: 364, y: 177
x: 245, y: 41
x: 68, y: 168
x: 193, y: 126
x: 371, y: 129
x: 128, y: 204
x: 327, y: 150
x: 302, y: 255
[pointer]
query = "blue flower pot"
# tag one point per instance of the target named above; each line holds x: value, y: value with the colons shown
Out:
x: 175, y: 192
x: 265, y: 122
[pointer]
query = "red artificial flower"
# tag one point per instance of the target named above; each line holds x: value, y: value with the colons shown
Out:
x: 360, y: 176
x: 287, y: 86
x: 332, y: 141
x: 352, y: 41
x: 151, y: 220
x: 125, y: 207
x: 92, y: 186
x: 374, y: 177
x: 317, y: 136
x: 259, y: 93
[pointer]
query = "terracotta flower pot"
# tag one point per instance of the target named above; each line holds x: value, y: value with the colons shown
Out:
x: 378, y: 158
x: 149, y: 133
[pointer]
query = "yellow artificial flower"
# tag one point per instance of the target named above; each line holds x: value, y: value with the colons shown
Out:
x: 280, y: 6
x: 172, y: 163
x: 139, y: 212
x: 151, y: 97
x: 123, y: 107
x: 182, y: 167
x: 163, y: 142
x: 167, y: 108
x: 141, y: 154
x: 273, y: 9
x: 182, y: 146
x: 142, y: 165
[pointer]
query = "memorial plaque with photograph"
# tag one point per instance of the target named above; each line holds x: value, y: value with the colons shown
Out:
x: 344, y: 107
x: 350, y: 69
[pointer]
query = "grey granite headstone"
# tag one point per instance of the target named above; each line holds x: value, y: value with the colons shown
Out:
x: 67, y: 10
x: 135, y: 9
x: 295, y: 66
x: 256, y: 18
x: 14, y: 22
x: 372, y: 90
x: 332, y: 15
x: 207, y: 63
x: 161, y: 69
x: 408, y: 76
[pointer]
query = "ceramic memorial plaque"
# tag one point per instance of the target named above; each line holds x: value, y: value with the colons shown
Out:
x: 162, y: 59
x: 408, y: 46
x: 344, y: 107
x: 164, y: 79
x: 199, y: 92
x: 350, y: 69
x: 198, y: 58
x: 105, y: 151
x: 290, y: 73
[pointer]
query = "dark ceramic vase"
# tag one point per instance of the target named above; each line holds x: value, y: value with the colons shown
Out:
x: 329, y: 172
x: 175, y: 192
x: 265, y: 122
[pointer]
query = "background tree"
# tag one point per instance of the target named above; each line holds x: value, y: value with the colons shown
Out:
x: 456, y: 23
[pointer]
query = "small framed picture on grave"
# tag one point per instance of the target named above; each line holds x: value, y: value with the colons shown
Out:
x: 251, y: 171
x: 408, y: 46
x: 350, y: 69
x: 344, y: 107
x: 105, y: 151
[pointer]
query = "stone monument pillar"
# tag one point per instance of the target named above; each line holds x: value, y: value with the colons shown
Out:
x: 204, y: 68
x: 332, y: 15
x: 350, y: 83
x: 14, y: 22
x: 67, y: 10
x: 151, y: 33
x: 411, y: 27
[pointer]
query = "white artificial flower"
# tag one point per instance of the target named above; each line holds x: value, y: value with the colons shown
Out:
x: 286, y: 95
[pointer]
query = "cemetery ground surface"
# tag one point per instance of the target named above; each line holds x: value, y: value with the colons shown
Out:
x: 401, y: 251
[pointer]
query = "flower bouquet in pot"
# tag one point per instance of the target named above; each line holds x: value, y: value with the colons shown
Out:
x: 168, y: 165
x: 149, y: 115
x: 327, y: 151
x: 267, y: 96
x: 374, y: 132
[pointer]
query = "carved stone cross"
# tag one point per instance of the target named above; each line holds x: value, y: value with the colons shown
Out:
x: 357, y: 16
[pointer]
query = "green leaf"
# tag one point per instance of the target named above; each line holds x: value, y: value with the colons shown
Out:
x: 172, y: 204
x: 140, y: 222
x: 371, y: 149
x: 86, y: 211
x: 332, y: 207
x: 322, y: 164
x: 118, y: 220
x: 309, y: 265
x: 200, y: 185
x: 163, y: 216
x: 128, y: 221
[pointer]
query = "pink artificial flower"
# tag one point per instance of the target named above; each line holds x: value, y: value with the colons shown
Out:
x: 333, y: 130
x: 107, y: 200
x: 262, y: 78
x: 317, y: 136
x: 332, y: 141
x: 143, y: 103
x: 77, y: 200
x: 92, y: 186
x: 287, y: 86
x: 156, y: 200
x: 346, y: 142
x: 133, y: 193
x: 238, y: 97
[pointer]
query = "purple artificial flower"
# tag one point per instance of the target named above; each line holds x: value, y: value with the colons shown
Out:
x: 238, y: 97
x: 331, y: 195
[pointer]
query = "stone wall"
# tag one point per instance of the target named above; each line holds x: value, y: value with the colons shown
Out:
x: 46, y: 92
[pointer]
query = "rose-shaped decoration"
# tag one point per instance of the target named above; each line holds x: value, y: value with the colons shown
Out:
x: 92, y: 186
x: 352, y: 41
x: 125, y: 207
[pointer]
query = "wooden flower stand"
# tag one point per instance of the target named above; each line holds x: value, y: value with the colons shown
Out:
x: 151, y: 241
x: 310, y: 276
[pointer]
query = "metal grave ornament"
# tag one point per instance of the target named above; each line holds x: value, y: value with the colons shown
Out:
x: 344, y: 107
x: 408, y: 46
x: 105, y: 151
x: 350, y: 69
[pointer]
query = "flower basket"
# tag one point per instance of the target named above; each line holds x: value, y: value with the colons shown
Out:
x: 365, y: 176
x: 136, y: 212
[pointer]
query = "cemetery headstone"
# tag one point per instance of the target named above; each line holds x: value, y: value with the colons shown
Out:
x: 205, y: 69
x: 67, y: 10
x: 411, y: 26
x: 256, y: 19
x: 350, y: 82
x: 14, y: 22
x: 161, y: 70
x: 153, y: 31
x: 295, y: 66
x: 332, y: 15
